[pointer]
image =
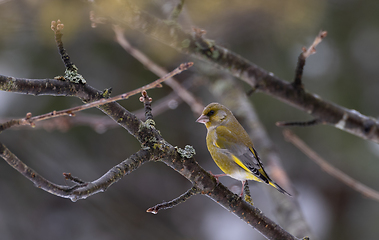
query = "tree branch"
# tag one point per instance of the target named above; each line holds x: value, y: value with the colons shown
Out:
x: 343, y: 177
x: 297, y: 83
x: 79, y: 190
x: 71, y: 111
x: 127, y: 14
x: 182, y: 198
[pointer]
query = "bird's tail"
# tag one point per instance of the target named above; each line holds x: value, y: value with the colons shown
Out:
x: 279, y: 188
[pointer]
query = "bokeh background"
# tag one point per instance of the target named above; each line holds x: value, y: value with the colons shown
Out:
x: 269, y: 33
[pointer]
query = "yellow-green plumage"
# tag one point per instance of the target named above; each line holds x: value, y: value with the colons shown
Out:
x: 231, y: 147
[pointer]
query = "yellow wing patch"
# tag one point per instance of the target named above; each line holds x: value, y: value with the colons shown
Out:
x: 253, y: 151
x: 235, y: 159
x: 249, y: 174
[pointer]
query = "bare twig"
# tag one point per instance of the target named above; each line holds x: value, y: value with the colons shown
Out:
x: 71, y: 72
x: 183, y: 93
x: 300, y: 124
x: 312, y: 49
x: 57, y: 27
x: 68, y: 176
x: 354, y: 184
x: 303, y: 56
x: 147, y: 104
x: 182, y: 198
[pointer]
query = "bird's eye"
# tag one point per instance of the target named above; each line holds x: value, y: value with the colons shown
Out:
x: 210, y: 113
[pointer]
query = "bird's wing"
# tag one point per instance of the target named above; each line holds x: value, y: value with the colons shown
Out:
x: 245, y: 156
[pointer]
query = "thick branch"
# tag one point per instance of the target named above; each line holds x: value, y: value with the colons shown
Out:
x: 264, y: 81
x: 64, y: 88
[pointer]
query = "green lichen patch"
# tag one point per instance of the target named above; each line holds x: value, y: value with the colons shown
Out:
x: 187, y: 152
x: 106, y: 93
x: 9, y: 85
x: 143, y: 129
x: 73, y: 76
x: 150, y: 122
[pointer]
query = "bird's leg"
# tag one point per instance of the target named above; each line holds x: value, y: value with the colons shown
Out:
x: 217, y: 175
x: 243, y: 187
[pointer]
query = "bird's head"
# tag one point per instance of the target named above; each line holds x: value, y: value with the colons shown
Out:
x: 214, y: 114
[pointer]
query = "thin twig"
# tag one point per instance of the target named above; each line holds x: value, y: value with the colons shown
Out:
x: 303, y: 56
x: 300, y: 124
x: 57, y: 27
x: 147, y: 105
x: 182, y: 92
x: 72, y: 111
x: 312, y: 49
x: 354, y: 184
x: 68, y: 176
x: 182, y: 198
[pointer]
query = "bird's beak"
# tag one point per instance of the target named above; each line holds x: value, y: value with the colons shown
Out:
x: 203, y: 119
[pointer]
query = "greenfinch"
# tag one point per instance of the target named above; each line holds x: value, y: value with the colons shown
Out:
x: 231, y: 147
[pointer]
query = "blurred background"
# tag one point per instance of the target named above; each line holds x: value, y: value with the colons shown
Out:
x: 269, y: 33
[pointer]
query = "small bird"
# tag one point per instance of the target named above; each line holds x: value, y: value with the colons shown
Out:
x: 231, y: 147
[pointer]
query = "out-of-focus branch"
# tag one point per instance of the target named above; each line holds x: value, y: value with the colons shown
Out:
x: 183, y: 93
x: 127, y: 14
x: 343, y: 177
x: 176, y: 11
